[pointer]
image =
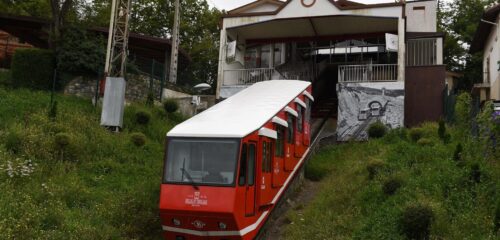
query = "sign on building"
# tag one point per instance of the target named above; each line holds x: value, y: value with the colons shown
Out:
x: 231, y: 51
x: 391, y: 42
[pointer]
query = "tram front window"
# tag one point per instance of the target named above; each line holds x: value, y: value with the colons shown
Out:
x: 201, y: 161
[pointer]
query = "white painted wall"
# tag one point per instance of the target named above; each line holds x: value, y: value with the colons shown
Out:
x: 326, y: 8
x: 421, y: 20
x: 267, y: 7
x: 492, y: 50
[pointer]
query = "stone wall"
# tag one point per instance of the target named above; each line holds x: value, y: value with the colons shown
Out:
x: 138, y: 87
x: 137, y: 90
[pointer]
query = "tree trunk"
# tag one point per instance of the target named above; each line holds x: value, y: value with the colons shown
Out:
x: 59, y: 12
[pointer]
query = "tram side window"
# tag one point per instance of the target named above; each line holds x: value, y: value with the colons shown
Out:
x: 243, y: 165
x: 308, y: 110
x: 280, y: 144
x: 290, y: 135
x: 251, y: 165
x: 300, y: 118
x: 266, y: 157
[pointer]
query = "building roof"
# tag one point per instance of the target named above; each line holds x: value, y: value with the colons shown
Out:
x: 244, y: 112
x: 33, y: 31
x: 340, y: 4
x: 484, y: 29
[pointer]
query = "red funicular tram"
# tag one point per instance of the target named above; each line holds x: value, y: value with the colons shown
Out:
x: 227, y: 167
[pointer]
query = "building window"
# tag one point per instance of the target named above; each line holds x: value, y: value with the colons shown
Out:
x: 421, y: 52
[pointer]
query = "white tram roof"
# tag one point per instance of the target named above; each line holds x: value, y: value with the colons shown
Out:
x: 244, y: 112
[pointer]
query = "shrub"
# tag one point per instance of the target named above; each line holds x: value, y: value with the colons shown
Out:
x: 374, y: 167
x: 377, y: 130
x: 391, y: 185
x: 425, y: 142
x: 497, y: 218
x: 457, y: 154
x: 416, y: 221
x: 463, y: 110
x: 33, y: 68
x: 442, y: 129
x: 416, y: 134
x: 170, y: 105
x: 475, y: 173
x: 13, y: 142
x: 62, y: 141
x: 138, y: 139
x: 150, y: 99
x: 5, y: 79
x: 142, y: 117
x: 53, y: 111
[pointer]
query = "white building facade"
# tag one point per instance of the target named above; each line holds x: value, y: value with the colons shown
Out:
x: 357, y: 56
x: 487, y: 41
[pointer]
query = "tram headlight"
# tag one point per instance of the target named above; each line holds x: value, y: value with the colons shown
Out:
x: 222, y: 225
x: 176, y: 221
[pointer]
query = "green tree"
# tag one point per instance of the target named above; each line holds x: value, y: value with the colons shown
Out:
x: 459, y: 20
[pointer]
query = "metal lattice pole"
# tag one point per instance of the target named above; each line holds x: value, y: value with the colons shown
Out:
x: 117, y: 59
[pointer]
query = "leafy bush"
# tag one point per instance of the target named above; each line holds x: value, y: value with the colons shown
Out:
x: 170, y: 105
x: 457, y: 154
x: 416, y: 134
x: 53, y: 111
x: 13, y: 142
x: 442, y: 129
x: 62, y: 141
x: 150, y: 99
x: 391, y: 185
x: 377, y: 130
x: 416, y: 221
x: 425, y: 142
x: 33, y: 68
x: 497, y: 218
x: 374, y: 167
x: 81, y: 53
x: 142, y: 117
x: 475, y: 173
x: 5, y: 78
x: 463, y: 110
x: 138, y: 139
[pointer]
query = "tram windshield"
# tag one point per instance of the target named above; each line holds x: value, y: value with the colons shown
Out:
x: 198, y: 161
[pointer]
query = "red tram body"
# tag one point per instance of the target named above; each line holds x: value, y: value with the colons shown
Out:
x: 227, y: 167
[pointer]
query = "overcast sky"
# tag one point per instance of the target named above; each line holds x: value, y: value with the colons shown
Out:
x: 231, y: 4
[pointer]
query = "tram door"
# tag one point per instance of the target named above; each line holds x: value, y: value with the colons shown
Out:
x: 247, y: 176
x: 265, y: 171
x: 290, y: 143
x: 307, y: 123
x: 299, y: 130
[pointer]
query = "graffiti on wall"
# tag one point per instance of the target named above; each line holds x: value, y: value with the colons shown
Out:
x: 361, y: 104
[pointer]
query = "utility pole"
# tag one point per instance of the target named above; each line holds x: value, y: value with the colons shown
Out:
x: 115, y: 68
x: 175, y: 44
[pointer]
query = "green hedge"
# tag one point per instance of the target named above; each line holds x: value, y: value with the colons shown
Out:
x: 33, y: 68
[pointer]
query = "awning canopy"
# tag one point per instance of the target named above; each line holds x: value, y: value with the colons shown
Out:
x: 327, y: 27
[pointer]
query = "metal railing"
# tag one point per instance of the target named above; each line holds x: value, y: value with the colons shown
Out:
x: 368, y: 73
x: 421, y: 52
x: 247, y: 76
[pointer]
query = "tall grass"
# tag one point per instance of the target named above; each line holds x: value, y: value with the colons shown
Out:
x: 350, y: 205
x: 102, y: 186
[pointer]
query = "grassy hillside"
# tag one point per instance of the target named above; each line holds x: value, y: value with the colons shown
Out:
x: 68, y: 178
x: 360, y: 197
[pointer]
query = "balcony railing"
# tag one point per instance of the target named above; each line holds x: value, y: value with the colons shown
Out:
x: 368, y: 73
x: 247, y: 76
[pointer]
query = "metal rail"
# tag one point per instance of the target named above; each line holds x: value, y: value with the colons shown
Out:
x: 421, y: 52
x: 368, y: 73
